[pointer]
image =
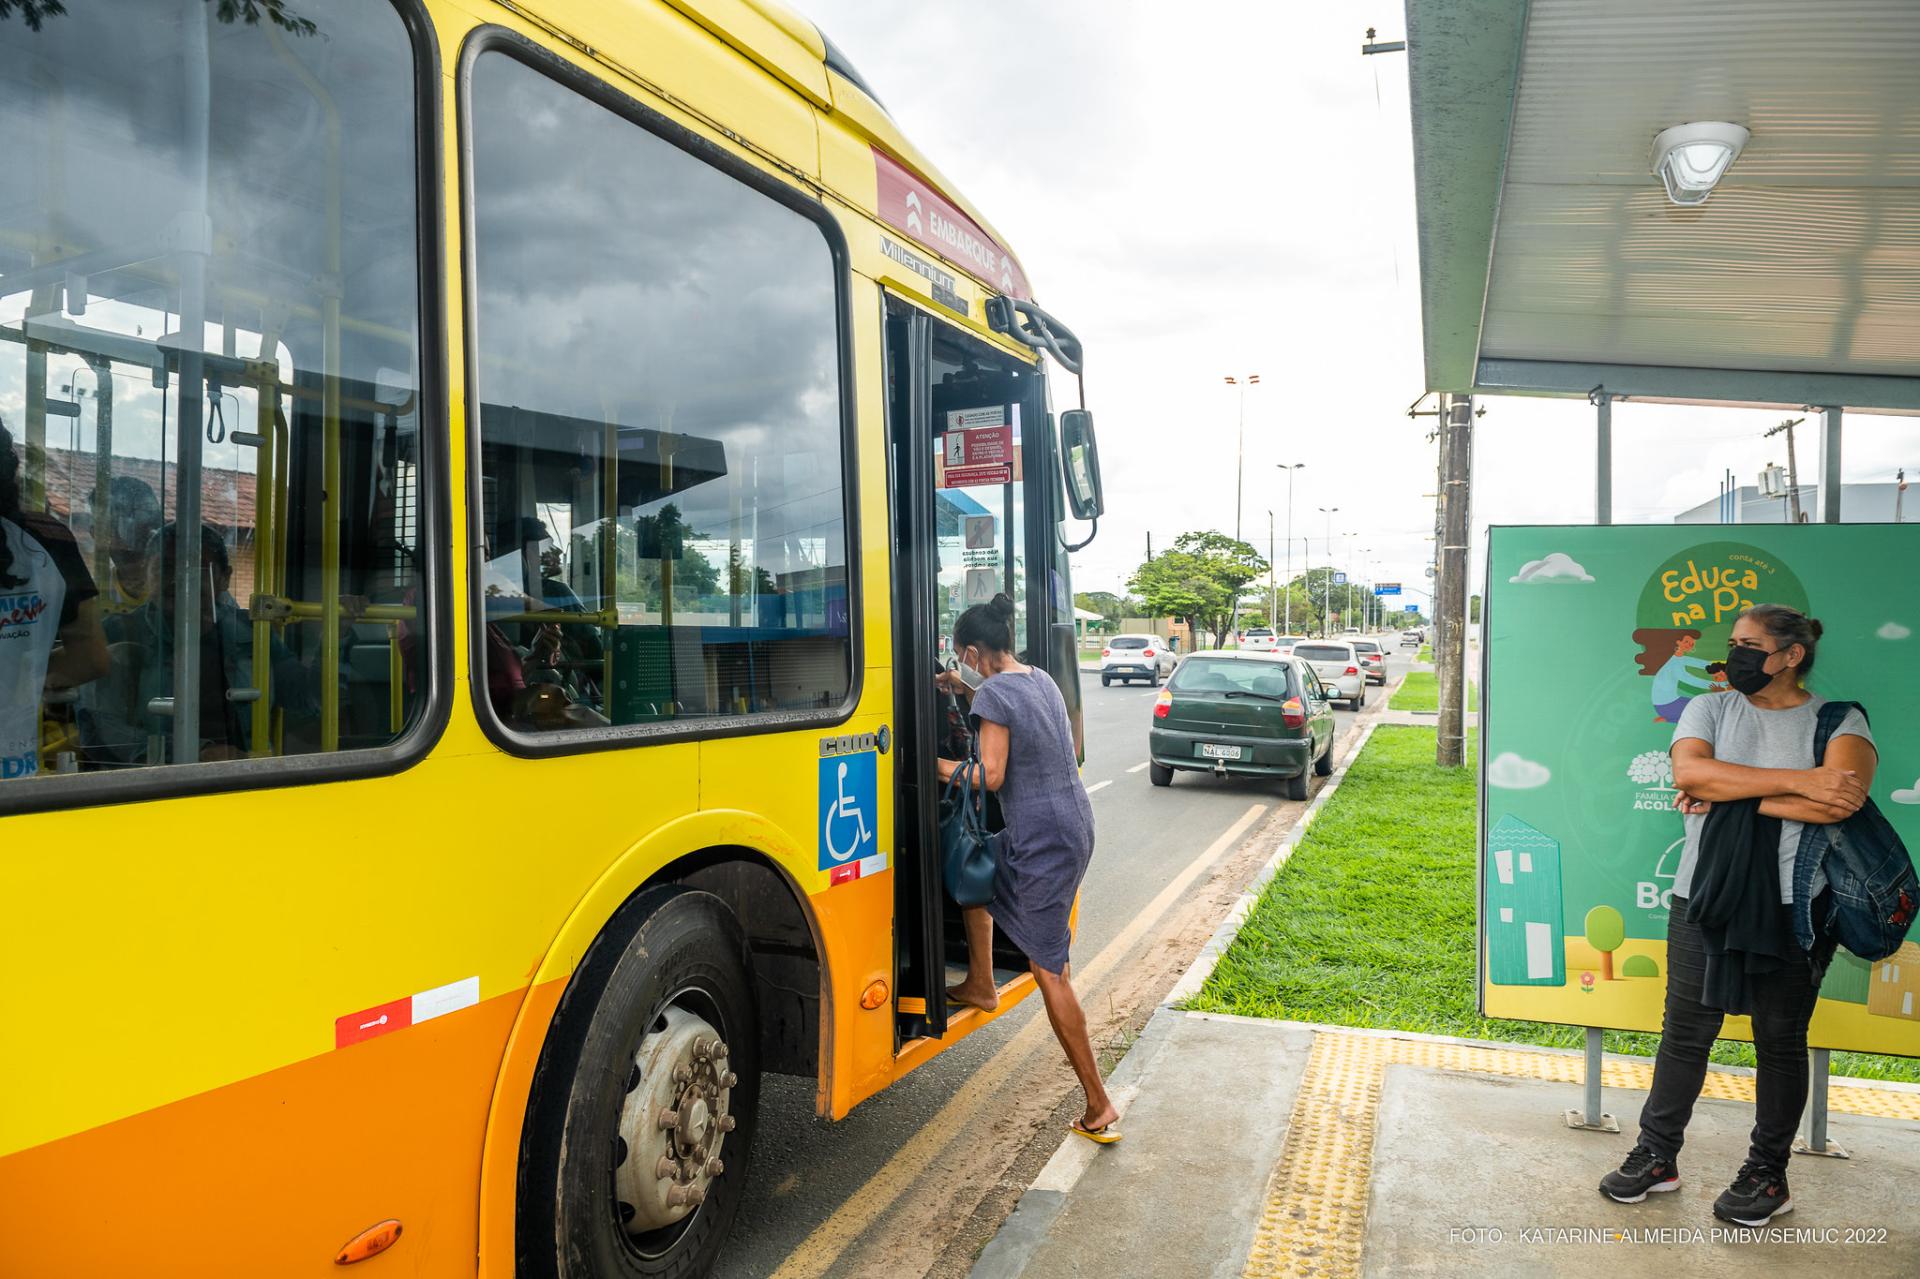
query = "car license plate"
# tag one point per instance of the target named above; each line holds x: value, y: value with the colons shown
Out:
x: 1209, y: 751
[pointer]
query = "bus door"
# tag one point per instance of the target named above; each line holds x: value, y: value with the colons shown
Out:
x: 967, y: 454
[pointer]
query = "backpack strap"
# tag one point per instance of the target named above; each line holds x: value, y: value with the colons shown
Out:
x: 1832, y: 715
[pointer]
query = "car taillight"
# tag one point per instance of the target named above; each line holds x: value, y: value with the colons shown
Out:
x: 1148, y: 653
x: 1106, y: 652
x: 1353, y: 670
x: 1163, y: 703
x: 1292, y: 713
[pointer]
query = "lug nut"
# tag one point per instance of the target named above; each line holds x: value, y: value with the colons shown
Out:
x: 726, y: 1123
x: 682, y: 1074
x: 715, y: 1166
x: 729, y: 1079
x: 719, y: 1050
x: 680, y: 1196
x: 665, y: 1169
x: 669, y: 1119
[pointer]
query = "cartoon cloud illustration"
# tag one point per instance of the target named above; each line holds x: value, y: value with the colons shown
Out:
x: 1512, y: 772
x: 1907, y: 795
x: 1557, y: 567
x: 1894, y: 631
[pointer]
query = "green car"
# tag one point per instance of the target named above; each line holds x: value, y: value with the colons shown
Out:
x: 1240, y: 713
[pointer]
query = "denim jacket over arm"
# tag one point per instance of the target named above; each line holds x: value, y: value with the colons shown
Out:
x: 1870, y: 877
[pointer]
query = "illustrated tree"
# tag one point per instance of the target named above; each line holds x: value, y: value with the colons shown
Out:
x: 1606, y: 933
x: 1202, y: 577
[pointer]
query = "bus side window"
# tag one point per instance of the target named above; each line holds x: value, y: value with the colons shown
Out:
x: 219, y: 434
x: 664, y: 505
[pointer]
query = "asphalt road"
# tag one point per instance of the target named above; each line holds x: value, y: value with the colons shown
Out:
x: 805, y: 1170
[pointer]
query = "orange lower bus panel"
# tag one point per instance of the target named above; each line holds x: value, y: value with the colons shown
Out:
x: 273, y: 1175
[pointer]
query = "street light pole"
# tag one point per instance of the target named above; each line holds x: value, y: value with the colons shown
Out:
x: 1349, y: 613
x: 1326, y: 591
x: 1240, y: 447
x: 1271, y: 604
x: 1290, y: 468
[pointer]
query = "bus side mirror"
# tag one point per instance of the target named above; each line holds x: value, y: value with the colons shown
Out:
x: 1080, y: 460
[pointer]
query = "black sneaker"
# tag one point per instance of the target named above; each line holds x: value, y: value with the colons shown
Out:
x: 1756, y: 1196
x: 1644, y: 1173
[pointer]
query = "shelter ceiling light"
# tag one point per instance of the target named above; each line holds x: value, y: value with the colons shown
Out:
x: 1691, y: 158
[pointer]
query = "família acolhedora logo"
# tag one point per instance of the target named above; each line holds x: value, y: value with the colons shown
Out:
x: 1686, y: 614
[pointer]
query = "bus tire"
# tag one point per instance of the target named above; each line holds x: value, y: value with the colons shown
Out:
x: 669, y: 972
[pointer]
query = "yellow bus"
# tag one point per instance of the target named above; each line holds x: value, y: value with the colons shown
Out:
x: 487, y: 488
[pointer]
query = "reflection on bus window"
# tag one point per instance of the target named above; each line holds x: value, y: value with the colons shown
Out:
x: 208, y: 368
x: 980, y: 397
x: 663, y: 504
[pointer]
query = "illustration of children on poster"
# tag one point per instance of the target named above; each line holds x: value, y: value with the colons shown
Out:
x: 1678, y: 677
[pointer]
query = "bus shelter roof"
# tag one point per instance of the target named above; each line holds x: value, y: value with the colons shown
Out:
x: 1552, y: 262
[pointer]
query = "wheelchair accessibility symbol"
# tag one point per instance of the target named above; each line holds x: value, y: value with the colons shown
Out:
x: 849, y: 809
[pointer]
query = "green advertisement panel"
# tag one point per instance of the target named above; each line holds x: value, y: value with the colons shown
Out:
x: 1593, y: 641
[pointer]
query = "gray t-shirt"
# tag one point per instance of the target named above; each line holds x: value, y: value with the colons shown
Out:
x: 1741, y: 733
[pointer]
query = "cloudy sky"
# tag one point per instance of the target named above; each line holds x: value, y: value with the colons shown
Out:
x: 1227, y: 188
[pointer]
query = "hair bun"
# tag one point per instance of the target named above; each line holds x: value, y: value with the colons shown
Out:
x: 1813, y: 624
x: 1001, y: 607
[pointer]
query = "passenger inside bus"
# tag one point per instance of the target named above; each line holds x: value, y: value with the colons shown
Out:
x: 50, y: 635
x: 129, y: 727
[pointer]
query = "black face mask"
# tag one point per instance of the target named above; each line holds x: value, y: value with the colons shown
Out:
x: 1746, y: 670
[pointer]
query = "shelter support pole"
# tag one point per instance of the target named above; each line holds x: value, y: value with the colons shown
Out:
x: 1813, y: 1135
x: 1592, y: 1118
x: 1602, y: 403
x: 1830, y: 466
x: 1450, y: 606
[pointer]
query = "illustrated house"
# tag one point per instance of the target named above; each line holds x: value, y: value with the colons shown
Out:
x: 1525, y: 918
x: 1894, y: 989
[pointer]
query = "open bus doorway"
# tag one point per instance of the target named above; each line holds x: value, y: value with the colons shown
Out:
x: 968, y: 451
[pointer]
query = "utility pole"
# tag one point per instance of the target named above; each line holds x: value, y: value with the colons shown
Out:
x: 1326, y: 589
x: 1240, y: 447
x: 1793, y: 468
x: 1450, y: 603
x: 1290, y: 468
x: 1899, y: 494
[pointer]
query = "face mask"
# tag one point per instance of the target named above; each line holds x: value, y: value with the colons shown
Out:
x: 968, y: 676
x: 1746, y: 670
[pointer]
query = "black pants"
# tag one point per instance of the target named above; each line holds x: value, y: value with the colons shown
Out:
x: 1782, y: 1007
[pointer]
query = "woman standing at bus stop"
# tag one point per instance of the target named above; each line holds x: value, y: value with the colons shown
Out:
x: 1730, y: 749
x: 1027, y: 758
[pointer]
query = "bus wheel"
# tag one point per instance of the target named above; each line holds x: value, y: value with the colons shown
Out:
x: 641, y: 1119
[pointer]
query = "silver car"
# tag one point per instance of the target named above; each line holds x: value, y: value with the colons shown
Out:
x: 1339, y: 668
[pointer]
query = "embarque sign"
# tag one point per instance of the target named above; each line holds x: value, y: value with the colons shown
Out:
x: 1594, y: 640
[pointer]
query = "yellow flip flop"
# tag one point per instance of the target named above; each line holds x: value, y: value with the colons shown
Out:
x: 1105, y: 1135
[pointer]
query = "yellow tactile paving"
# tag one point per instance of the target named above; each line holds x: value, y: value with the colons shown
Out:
x: 1314, y: 1220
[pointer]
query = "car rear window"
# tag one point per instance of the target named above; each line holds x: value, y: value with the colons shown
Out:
x: 1129, y: 641
x: 1261, y: 631
x: 1366, y: 646
x: 1321, y: 652
x: 1229, y: 675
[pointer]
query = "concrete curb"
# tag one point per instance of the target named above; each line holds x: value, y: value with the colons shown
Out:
x: 1007, y: 1253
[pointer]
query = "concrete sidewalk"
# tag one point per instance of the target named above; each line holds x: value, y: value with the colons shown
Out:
x: 1277, y: 1148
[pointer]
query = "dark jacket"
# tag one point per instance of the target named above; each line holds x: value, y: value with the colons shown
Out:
x: 1736, y: 904
x: 1873, y: 892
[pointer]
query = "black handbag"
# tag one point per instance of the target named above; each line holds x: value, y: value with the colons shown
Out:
x: 967, y: 848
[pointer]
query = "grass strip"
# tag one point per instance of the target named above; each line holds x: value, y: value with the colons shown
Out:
x: 1421, y: 692
x: 1371, y: 921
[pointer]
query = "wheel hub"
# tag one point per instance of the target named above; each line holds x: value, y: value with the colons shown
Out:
x: 673, y: 1123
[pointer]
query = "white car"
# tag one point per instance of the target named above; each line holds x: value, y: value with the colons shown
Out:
x: 1284, y: 645
x: 1339, y: 668
x: 1130, y: 657
x: 1258, y: 639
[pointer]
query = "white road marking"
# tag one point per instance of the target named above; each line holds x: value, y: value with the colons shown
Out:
x: 1099, y: 786
x: 1137, y: 767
